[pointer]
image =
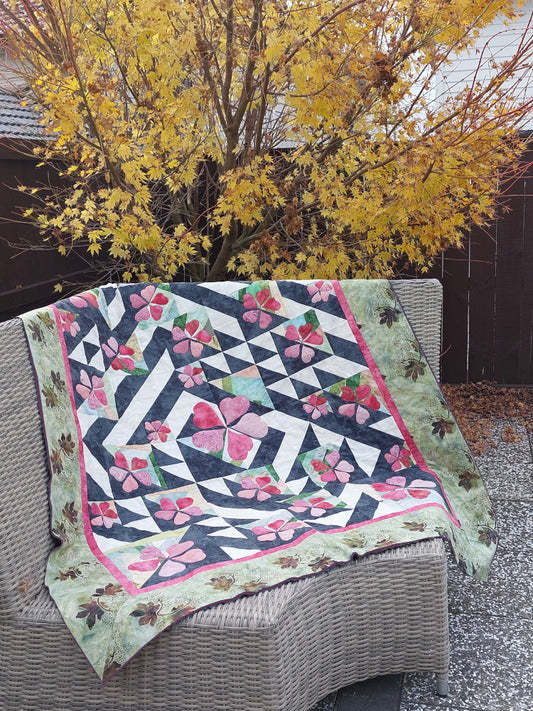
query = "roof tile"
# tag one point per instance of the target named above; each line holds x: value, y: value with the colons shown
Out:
x: 16, y: 121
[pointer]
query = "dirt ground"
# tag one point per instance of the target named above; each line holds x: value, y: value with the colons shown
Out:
x: 478, y: 406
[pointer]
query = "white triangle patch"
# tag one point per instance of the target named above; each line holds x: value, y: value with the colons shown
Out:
x: 180, y: 470
x: 341, y: 367
x: 351, y: 494
x: 237, y: 553
x: 115, y: 310
x: 228, y: 288
x: 97, y: 473
x: 218, y: 485
x: 227, y: 533
x: 275, y: 364
x: 135, y: 505
x: 285, y: 387
x: 307, y: 376
x: 218, y: 360
x: 213, y: 522
x: 339, y: 519
x: 297, y: 485
x: 365, y: 456
x: 241, y: 351
x: 107, y: 544
x: 264, y: 340
x: 144, y: 524
x: 326, y: 437
x: 78, y: 354
x: 389, y: 426
x: 97, y: 361
x: 93, y: 336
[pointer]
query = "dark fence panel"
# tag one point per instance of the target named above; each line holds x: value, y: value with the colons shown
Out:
x: 526, y: 305
x: 28, y: 277
x: 454, y: 276
x: 488, y: 297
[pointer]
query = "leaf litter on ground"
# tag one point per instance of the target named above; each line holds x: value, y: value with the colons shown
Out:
x: 478, y: 407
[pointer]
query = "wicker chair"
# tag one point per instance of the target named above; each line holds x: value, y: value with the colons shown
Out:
x: 279, y: 650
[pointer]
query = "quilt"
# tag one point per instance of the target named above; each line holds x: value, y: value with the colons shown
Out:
x: 211, y: 440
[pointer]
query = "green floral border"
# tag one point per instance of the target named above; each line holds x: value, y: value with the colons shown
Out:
x: 428, y: 418
x: 110, y: 625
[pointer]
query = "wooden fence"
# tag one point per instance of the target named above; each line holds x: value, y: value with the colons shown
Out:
x: 28, y: 277
x: 488, y: 286
x: 488, y: 297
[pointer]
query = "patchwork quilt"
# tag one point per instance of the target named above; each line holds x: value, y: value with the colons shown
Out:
x: 210, y: 440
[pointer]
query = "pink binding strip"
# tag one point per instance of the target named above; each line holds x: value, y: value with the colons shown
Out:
x: 386, y: 394
x: 68, y: 375
x: 89, y: 536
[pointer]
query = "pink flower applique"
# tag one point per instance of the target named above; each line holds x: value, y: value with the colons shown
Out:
x: 149, y: 303
x: 67, y: 321
x: 104, y: 513
x: 175, y: 557
x: 191, y: 376
x: 180, y: 510
x: 236, y: 427
x: 395, y: 488
x: 192, y: 336
x: 261, y: 485
x: 82, y: 300
x: 320, y: 291
x: 258, y: 304
x: 281, y: 528
x: 398, y: 458
x: 305, y: 335
x: 316, y: 505
x: 316, y: 406
x: 120, y: 355
x: 92, y: 390
x: 358, y: 402
x: 130, y: 475
x: 157, y: 431
x: 333, y: 468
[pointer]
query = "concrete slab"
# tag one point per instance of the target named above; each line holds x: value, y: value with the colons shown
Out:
x: 326, y: 704
x: 380, y: 694
x: 490, y: 670
x: 507, y: 470
x: 510, y: 585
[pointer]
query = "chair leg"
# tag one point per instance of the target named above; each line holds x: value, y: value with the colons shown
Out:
x: 443, y: 685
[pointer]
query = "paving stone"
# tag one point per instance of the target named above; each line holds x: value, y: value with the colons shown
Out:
x: 425, y: 707
x: 490, y: 668
x: 510, y: 585
x: 507, y: 469
x: 515, y: 524
x: 327, y: 703
x: 516, y: 485
x: 380, y: 694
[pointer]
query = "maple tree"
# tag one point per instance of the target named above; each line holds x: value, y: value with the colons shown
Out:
x: 254, y: 138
